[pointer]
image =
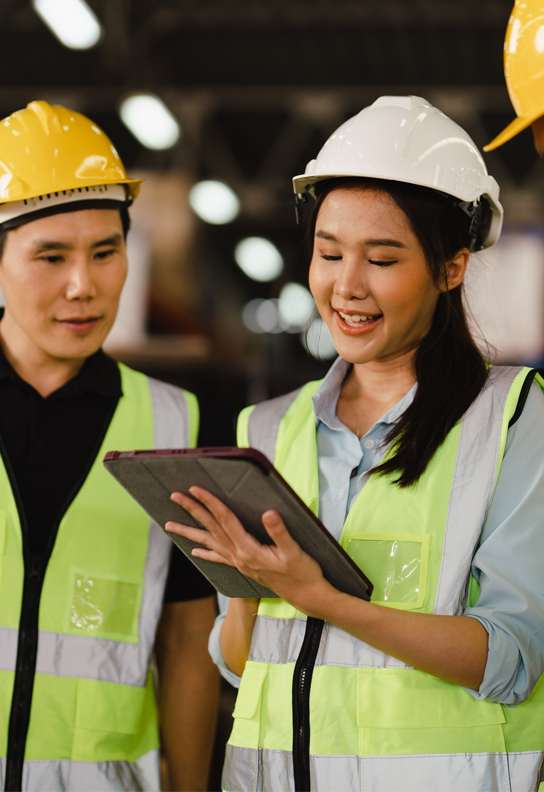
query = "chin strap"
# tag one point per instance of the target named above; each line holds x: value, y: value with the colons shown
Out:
x: 472, y: 209
x: 300, y: 198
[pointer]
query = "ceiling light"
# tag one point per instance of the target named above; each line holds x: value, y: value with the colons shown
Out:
x: 72, y: 21
x: 267, y: 316
x: 150, y: 121
x: 318, y: 341
x: 214, y: 202
x: 261, y: 316
x: 259, y: 259
x: 296, y: 306
x: 249, y: 315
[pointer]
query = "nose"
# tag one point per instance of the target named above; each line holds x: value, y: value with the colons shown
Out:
x: 80, y: 285
x: 350, y: 282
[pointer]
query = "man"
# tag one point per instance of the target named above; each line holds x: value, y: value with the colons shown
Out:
x: 82, y: 571
x: 524, y: 72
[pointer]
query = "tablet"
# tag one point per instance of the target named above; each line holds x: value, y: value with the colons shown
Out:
x: 249, y: 485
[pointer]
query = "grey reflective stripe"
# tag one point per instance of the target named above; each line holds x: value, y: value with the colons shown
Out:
x: 61, y: 654
x: 8, y: 648
x: 472, y: 490
x: 62, y: 775
x: 264, y: 423
x: 170, y: 415
x: 280, y: 640
x: 264, y: 770
x: 65, y: 655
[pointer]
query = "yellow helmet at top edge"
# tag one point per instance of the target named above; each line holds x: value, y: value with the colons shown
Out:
x: 523, y: 67
x: 46, y: 150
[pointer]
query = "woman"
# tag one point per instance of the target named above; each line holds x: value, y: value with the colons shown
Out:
x: 428, y: 469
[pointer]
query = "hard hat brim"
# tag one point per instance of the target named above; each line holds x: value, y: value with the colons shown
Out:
x: 513, y: 129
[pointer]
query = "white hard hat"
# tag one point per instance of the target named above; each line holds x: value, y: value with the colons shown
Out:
x: 406, y: 139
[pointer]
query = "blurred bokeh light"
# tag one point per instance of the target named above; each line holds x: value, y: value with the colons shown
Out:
x: 214, y: 202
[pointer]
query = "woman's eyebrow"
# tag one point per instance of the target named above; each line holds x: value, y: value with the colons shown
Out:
x: 367, y: 243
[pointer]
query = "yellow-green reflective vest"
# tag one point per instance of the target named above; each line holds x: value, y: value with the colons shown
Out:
x: 375, y: 723
x: 93, y: 722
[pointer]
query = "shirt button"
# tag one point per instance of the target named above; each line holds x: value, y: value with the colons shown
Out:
x: 340, y: 494
x: 369, y: 443
x: 40, y: 444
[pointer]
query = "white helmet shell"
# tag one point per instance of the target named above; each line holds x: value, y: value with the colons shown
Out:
x: 406, y: 139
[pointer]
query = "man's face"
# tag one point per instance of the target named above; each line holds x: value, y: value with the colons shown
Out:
x: 62, y: 278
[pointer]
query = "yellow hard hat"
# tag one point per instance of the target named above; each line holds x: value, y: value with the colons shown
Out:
x: 57, y: 154
x: 523, y: 67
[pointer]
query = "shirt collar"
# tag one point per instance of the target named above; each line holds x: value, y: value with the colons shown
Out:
x: 325, y: 398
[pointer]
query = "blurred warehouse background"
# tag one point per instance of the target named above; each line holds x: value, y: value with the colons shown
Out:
x: 218, y: 103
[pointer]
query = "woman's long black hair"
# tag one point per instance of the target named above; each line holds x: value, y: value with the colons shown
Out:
x: 449, y: 368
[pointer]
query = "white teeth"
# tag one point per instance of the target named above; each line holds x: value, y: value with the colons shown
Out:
x: 355, y: 318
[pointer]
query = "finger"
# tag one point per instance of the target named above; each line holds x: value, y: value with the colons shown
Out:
x: 211, y: 555
x: 200, y: 513
x: 277, y: 531
x: 224, y: 516
x: 189, y: 532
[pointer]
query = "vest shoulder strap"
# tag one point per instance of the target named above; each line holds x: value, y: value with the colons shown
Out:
x: 264, y: 423
x: 175, y: 411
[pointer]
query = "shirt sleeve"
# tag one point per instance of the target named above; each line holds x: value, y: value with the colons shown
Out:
x: 508, y: 564
x: 184, y: 581
x: 214, y: 644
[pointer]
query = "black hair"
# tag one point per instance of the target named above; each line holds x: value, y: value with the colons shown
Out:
x: 449, y: 368
x: 125, y: 222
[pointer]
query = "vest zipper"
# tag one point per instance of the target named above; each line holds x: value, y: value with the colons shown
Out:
x: 302, y: 680
x: 27, y: 644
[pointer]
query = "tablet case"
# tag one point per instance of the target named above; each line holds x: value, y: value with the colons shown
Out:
x: 247, y: 483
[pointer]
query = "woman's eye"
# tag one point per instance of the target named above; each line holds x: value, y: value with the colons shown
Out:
x: 330, y: 258
x: 382, y: 263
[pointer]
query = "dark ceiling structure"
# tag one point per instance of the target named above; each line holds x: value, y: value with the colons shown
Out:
x: 258, y: 86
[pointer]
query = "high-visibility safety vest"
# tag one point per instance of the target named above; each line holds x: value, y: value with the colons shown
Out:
x: 376, y: 724
x: 93, y: 721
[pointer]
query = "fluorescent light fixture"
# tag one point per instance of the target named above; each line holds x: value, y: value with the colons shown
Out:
x: 296, y: 306
x: 214, y: 202
x: 150, y: 121
x: 259, y: 259
x: 318, y: 341
x: 72, y: 21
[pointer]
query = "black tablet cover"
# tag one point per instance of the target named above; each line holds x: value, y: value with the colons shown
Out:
x: 247, y: 483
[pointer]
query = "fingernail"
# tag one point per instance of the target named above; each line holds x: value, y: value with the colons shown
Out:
x: 271, y: 517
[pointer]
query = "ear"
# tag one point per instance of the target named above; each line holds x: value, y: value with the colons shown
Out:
x: 456, y: 269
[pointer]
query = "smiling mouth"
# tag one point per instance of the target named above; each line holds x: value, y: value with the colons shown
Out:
x: 359, y: 320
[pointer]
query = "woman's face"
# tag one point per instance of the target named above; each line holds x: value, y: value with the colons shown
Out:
x: 369, y: 277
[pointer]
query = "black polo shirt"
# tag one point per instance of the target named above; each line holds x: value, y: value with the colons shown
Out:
x: 49, y: 444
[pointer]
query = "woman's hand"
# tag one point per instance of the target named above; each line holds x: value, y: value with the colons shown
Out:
x: 282, y: 567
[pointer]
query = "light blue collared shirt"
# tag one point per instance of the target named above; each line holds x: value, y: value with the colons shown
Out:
x: 508, y: 564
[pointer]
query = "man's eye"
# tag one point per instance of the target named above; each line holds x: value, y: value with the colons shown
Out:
x: 104, y: 254
x: 381, y: 263
x: 52, y: 259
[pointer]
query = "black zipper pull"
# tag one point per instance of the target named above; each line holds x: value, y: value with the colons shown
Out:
x: 35, y: 567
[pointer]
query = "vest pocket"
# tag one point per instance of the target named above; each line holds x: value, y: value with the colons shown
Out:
x: 396, y: 563
x: 103, y: 606
x: 405, y: 711
x: 247, y: 710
